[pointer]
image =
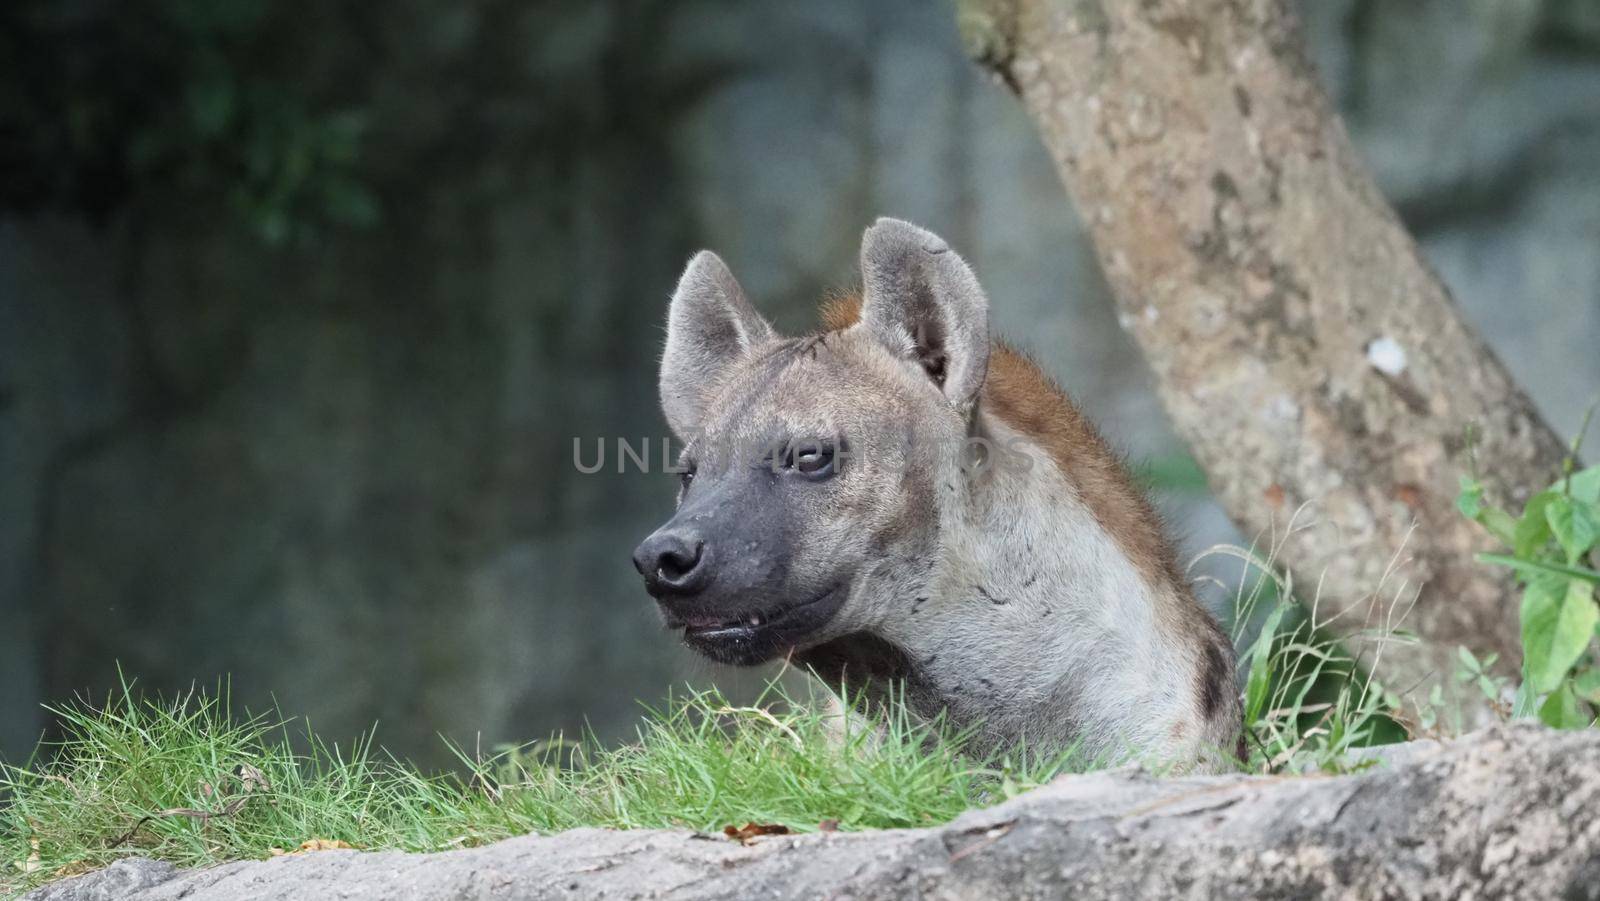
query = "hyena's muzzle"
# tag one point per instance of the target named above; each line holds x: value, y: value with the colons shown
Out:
x: 723, y: 570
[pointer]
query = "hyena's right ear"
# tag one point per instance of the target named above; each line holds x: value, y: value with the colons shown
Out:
x: 924, y: 304
x: 710, y: 326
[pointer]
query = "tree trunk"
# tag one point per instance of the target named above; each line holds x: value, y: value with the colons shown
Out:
x: 1302, y: 345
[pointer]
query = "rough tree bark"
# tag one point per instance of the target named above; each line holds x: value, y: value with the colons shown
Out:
x: 1302, y: 345
x: 1509, y: 813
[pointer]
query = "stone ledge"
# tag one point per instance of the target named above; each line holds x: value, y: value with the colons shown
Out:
x: 1512, y: 811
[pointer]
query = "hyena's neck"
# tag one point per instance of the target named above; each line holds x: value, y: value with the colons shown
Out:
x: 1042, y: 623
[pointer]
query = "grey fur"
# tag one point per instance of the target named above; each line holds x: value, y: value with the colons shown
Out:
x: 710, y: 325
x: 921, y: 298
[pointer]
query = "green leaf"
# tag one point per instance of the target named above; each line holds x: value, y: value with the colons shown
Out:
x: 1558, y: 619
x: 1470, y: 500
x: 1584, y: 485
x: 1470, y: 503
x: 1558, y: 516
x: 1260, y: 678
x: 1587, y: 685
x: 1574, y: 526
x: 1537, y: 567
x: 1585, y: 527
x: 1500, y: 524
x: 1562, y: 711
x: 1523, y: 703
x: 1533, y: 530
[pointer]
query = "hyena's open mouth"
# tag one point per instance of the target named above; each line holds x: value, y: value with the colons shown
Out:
x: 756, y: 636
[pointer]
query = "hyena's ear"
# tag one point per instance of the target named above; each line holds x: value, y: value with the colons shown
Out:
x: 924, y: 304
x: 709, y: 327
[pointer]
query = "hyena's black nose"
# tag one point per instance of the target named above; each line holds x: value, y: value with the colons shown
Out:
x: 672, y: 562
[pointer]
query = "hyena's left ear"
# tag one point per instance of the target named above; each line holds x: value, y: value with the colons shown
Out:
x: 710, y: 327
x: 924, y: 304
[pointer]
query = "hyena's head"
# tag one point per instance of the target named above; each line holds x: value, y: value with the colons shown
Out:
x: 811, y: 503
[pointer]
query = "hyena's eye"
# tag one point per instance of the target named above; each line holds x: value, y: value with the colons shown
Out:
x: 814, y: 461
x: 686, y: 477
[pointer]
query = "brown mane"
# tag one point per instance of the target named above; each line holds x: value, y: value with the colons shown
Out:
x: 1024, y: 397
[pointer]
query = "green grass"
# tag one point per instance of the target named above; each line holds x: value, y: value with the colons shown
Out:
x: 134, y: 775
x: 1308, y: 699
x: 699, y: 763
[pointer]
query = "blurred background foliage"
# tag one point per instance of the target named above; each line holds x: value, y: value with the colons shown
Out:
x: 302, y: 305
x: 111, y: 103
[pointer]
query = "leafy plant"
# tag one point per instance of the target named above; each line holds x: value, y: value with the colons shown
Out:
x: 216, y: 101
x: 1308, y: 701
x: 1552, y: 545
x: 1479, y: 673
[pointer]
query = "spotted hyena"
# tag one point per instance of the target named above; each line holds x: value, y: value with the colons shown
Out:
x: 900, y: 498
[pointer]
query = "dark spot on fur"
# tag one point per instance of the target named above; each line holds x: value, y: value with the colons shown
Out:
x: 1241, y: 99
x: 1214, y: 681
x: 991, y: 598
x: 988, y: 686
x: 917, y: 604
x: 1028, y: 582
x: 809, y: 345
